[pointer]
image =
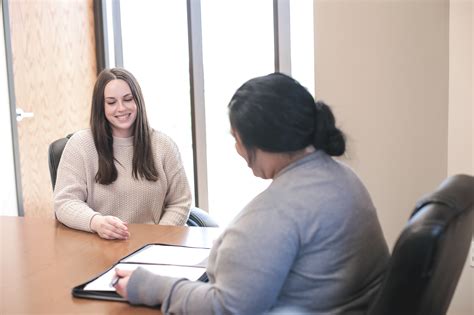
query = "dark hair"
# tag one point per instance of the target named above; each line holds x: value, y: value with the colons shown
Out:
x: 143, y: 164
x: 277, y: 114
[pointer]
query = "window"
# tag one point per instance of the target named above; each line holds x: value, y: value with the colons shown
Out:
x: 155, y: 50
x: 302, y: 42
x: 237, y: 41
x: 237, y: 38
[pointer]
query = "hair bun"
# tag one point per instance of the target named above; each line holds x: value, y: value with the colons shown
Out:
x: 327, y: 136
x: 336, y: 143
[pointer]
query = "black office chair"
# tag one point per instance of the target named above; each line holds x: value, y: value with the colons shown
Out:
x: 197, y: 216
x: 430, y: 253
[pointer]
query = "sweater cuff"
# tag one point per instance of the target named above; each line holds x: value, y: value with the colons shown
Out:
x: 171, y: 217
x: 149, y: 289
x: 76, y: 215
x: 85, y: 225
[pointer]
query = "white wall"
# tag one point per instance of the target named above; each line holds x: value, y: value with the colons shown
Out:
x: 8, y: 202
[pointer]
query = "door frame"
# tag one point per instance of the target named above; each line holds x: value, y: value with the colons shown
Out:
x: 102, y: 62
x: 12, y: 101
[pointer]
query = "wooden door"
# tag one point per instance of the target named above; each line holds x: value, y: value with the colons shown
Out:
x: 54, y: 70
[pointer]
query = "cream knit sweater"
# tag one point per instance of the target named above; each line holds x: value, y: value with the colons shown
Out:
x: 77, y: 196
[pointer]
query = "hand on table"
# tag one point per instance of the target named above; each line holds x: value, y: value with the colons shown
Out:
x: 110, y: 227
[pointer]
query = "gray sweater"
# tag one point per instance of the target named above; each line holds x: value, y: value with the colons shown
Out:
x: 311, y: 240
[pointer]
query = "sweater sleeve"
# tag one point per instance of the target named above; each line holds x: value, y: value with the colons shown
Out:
x: 251, y: 265
x: 70, y: 193
x: 177, y: 202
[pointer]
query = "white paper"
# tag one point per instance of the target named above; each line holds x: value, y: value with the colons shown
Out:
x: 170, y: 255
x: 103, y: 282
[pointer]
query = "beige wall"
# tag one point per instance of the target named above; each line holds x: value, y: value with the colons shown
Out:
x: 460, y: 131
x: 383, y: 65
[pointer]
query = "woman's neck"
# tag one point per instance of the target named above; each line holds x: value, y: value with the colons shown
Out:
x: 267, y: 164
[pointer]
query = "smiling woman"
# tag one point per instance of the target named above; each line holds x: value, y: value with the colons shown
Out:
x: 120, y: 171
x: 120, y: 108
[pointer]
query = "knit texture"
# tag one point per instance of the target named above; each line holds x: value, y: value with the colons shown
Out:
x: 77, y: 196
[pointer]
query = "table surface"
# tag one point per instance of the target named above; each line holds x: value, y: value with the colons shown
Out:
x: 42, y: 260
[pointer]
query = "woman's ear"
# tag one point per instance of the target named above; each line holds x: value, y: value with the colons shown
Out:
x: 237, y: 137
x: 239, y: 146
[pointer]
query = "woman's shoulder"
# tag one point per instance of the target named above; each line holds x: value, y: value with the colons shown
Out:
x: 82, y: 135
x: 162, y: 139
x: 82, y: 139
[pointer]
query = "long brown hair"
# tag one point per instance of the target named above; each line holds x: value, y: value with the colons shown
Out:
x: 143, y: 161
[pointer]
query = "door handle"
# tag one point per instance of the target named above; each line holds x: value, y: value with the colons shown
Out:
x: 20, y: 114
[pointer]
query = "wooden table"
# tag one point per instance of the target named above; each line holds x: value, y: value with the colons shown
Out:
x: 42, y: 260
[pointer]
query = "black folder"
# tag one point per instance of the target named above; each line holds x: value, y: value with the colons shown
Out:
x: 110, y: 295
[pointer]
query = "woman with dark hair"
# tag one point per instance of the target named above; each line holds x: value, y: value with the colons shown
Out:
x: 120, y: 170
x: 310, y: 242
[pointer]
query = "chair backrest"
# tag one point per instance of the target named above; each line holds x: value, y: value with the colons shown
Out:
x: 197, y: 217
x: 55, y: 151
x: 430, y: 253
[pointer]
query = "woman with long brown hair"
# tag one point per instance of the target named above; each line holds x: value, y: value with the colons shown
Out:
x: 120, y: 170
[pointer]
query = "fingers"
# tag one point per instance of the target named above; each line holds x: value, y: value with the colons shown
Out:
x: 122, y: 272
x: 110, y: 227
x: 121, y: 285
x: 121, y: 288
x: 111, y: 235
x: 117, y: 227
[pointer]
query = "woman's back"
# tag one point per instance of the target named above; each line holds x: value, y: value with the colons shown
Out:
x: 313, y: 240
x: 310, y: 241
